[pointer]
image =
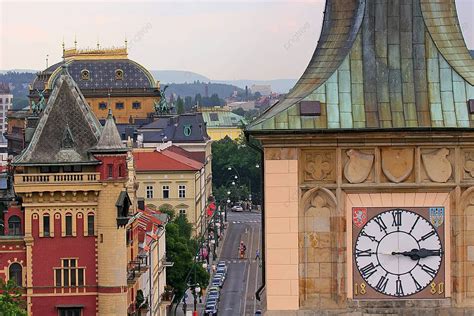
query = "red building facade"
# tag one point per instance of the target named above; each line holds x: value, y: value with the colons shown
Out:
x: 66, y: 241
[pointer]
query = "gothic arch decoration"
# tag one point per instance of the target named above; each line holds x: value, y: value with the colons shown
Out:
x: 317, y: 238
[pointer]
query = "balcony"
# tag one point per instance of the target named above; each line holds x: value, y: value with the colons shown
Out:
x: 167, y: 296
x: 136, y: 268
x: 56, y: 178
x: 165, y: 263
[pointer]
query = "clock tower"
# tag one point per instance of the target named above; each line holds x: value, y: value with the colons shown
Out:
x: 369, y: 168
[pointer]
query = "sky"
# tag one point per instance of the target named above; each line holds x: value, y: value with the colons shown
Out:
x: 222, y: 40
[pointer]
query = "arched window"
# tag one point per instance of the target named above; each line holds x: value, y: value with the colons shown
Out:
x: 15, y: 273
x: 14, y: 226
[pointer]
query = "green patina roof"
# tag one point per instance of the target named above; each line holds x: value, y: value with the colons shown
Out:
x: 382, y: 64
x: 222, y: 118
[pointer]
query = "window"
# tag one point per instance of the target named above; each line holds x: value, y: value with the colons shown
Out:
x: 214, y: 117
x: 49, y: 169
x: 85, y: 75
x: 136, y: 105
x: 74, y: 168
x: 182, y: 212
x: 166, y: 191
x: 121, y: 175
x: 102, y: 105
x: 14, y: 226
x: 110, y: 171
x: 15, y: 273
x: 69, y: 274
x: 119, y: 105
x: 90, y: 225
x: 182, y: 191
x: 69, y: 225
x: 149, y: 191
x: 76, y: 311
x: 46, y: 231
x: 1, y: 101
x: 119, y: 74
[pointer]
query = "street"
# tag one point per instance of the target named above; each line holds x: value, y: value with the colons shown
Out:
x: 244, y: 275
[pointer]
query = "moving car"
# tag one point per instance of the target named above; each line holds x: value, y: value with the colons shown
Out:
x: 237, y: 208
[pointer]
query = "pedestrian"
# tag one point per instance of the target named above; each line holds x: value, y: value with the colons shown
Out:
x: 257, y: 254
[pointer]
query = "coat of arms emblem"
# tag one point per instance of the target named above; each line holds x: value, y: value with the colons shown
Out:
x: 436, y: 216
x: 358, y: 168
x: 397, y: 163
x: 359, y: 216
x: 437, y: 166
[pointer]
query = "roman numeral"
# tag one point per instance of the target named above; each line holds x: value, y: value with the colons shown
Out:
x: 399, y: 288
x: 380, y: 222
x: 397, y: 218
x: 428, y: 235
x: 414, y: 224
x: 363, y: 253
x: 428, y: 270
x: 382, y: 283
x: 417, y: 285
x: 368, y: 270
x: 363, y: 233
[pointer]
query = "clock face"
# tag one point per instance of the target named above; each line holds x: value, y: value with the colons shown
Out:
x: 398, y: 253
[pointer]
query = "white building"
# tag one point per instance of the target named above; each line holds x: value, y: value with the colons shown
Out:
x: 6, y: 102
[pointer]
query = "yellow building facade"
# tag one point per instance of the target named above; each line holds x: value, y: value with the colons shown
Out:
x: 175, y: 182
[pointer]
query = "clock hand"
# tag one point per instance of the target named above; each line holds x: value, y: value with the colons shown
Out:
x: 416, y: 254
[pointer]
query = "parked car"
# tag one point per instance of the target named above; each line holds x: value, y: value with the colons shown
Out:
x: 221, y: 276
x: 237, y: 208
x: 221, y: 270
x: 213, y: 295
x: 211, y: 300
x: 211, y: 309
x: 217, y: 280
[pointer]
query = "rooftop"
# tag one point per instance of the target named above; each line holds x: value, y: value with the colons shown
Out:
x: 165, y: 160
x: 381, y: 64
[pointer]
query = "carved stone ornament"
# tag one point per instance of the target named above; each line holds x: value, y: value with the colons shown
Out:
x: 397, y: 163
x: 319, y: 166
x: 437, y: 166
x: 469, y: 163
x: 358, y: 167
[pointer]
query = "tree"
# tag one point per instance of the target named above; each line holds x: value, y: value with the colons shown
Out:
x: 188, y: 103
x: 198, y: 99
x: 238, y: 156
x: 214, y: 100
x: 11, y: 303
x: 181, y: 248
x: 179, y: 105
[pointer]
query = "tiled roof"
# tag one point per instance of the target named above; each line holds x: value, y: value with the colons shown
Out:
x: 101, y: 72
x: 199, y: 156
x: 159, y: 161
x: 224, y: 119
x: 382, y: 64
x: 67, y: 129
x: 110, y: 140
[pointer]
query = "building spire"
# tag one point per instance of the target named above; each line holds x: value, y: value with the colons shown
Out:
x: 75, y: 41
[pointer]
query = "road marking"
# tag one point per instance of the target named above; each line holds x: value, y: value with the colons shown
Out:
x: 256, y: 274
x: 250, y: 243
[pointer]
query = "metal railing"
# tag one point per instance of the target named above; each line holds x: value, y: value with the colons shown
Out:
x: 44, y: 178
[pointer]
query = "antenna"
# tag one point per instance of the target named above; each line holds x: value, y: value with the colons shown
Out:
x: 47, y: 60
x: 75, y: 41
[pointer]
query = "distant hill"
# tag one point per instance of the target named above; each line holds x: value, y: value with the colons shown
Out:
x: 278, y: 85
x: 178, y: 76
x: 191, y: 89
x: 18, y: 82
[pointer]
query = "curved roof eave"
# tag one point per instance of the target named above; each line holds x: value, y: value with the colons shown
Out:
x: 338, y: 34
x: 440, y: 19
